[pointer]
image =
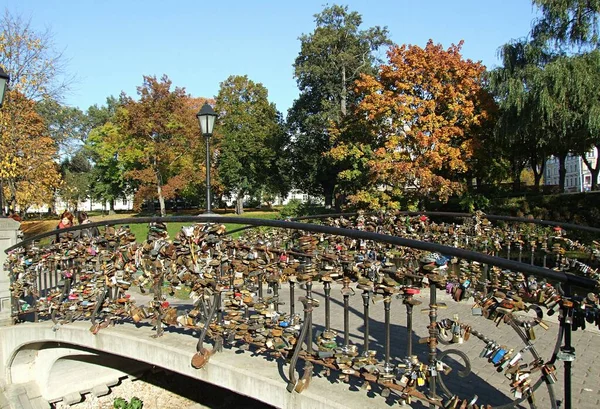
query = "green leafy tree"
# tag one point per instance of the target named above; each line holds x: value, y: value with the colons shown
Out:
x: 568, y: 101
x: 567, y: 22
x: 68, y: 126
x: 76, y: 173
x: 520, y: 133
x: 250, y: 133
x: 108, y: 177
x: 586, y: 72
x: 331, y: 58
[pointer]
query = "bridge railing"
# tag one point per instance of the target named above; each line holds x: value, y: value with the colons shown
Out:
x: 381, y: 255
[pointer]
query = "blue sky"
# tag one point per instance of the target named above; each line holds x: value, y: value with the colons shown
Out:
x: 111, y: 44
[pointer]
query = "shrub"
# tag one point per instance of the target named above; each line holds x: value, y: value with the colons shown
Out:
x: 292, y: 209
x: 120, y: 403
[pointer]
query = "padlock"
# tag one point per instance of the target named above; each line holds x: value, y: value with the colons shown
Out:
x: 549, y: 372
x: 467, y: 333
x: 542, y: 324
x: 498, y: 355
x: 529, y: 332
x: 403, y: 381
x: 476, y: 310
x: 515, y: 359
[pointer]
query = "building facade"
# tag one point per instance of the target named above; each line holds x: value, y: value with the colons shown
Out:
x: 577, y: 178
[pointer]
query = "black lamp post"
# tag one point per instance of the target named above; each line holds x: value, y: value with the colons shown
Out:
x: 206, y: 118
x: 4, y: 79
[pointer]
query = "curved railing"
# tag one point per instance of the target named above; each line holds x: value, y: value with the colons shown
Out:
x: 89, y: 278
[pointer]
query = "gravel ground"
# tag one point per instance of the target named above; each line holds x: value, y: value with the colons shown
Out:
x: 164, y: 390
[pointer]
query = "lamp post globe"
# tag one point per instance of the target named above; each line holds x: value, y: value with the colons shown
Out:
x: 206, y: 119
x: 4, y: 79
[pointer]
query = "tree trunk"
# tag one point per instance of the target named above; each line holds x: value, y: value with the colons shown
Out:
x: 516, y: 175
x: 343, y: 94
x: 1, y: 198
x: 239, y: 204
x: 538, y: 171
x: 112, y: 206
x: 13, y: 196
x: 595, y: 173
x: 340, y: 201
x: 52, y: 207
x: 161, y: 200
x: 328, y: 190
x: 478, y: 183
x: 562, y: 171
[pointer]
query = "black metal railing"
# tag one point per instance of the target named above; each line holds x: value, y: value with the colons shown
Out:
x: 383, y: 255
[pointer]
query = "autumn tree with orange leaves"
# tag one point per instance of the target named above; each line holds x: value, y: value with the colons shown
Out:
x: 414, y: 131
x: 160, y: 133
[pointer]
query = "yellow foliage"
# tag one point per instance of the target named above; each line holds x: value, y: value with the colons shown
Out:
x: 27, y: 161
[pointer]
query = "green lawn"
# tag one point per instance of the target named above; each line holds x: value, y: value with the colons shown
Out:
x: 34, y: 227
x: 141, y: 230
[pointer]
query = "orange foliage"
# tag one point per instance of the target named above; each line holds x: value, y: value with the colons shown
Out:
x: 419, y: 118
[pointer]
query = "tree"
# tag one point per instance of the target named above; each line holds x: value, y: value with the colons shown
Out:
x: 330, y: 60
x: 158, y: 130
x: 68, y: 126
x: 249, y: 133
x: 587, y: 75
x: 567, y: 22
x: 28, y: 171
x: 568, y: 95
x: 105, y: 141
x: 37, y: 70
x: 415, y: 127
x: 520, y: 131
x: 76, y: 174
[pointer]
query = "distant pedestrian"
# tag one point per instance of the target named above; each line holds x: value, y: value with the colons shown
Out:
x: 15, y: 216
x: 66, y: 220
x: 92, y: 231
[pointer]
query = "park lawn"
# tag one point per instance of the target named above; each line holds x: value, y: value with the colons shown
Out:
x: 141, y: 230
x: 34, y: 227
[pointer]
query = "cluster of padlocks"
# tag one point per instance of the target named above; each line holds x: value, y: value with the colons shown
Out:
x: 91, y: 278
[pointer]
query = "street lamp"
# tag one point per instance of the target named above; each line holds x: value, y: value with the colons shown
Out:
x: 206, y: 119
x: 4, y: 79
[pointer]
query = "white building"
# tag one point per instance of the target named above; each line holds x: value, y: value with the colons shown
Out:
x: 577, y: 178
x: 87, y: 205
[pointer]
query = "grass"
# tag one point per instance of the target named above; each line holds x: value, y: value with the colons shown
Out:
x: 32, y: 228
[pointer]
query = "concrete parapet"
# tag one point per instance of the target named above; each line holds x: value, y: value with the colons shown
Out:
x: 9, y: 231
x: 240, y: 373
x: 100, y: 390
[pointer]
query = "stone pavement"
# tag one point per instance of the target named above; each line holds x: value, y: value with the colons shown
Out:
x: 491, y: 387
x: 484, y: 381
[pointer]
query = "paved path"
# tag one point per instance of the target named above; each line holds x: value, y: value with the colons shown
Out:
x: 484, y: 381
x: 491, y: 387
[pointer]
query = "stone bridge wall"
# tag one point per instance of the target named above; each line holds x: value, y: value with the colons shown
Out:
x: 30, y: 352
